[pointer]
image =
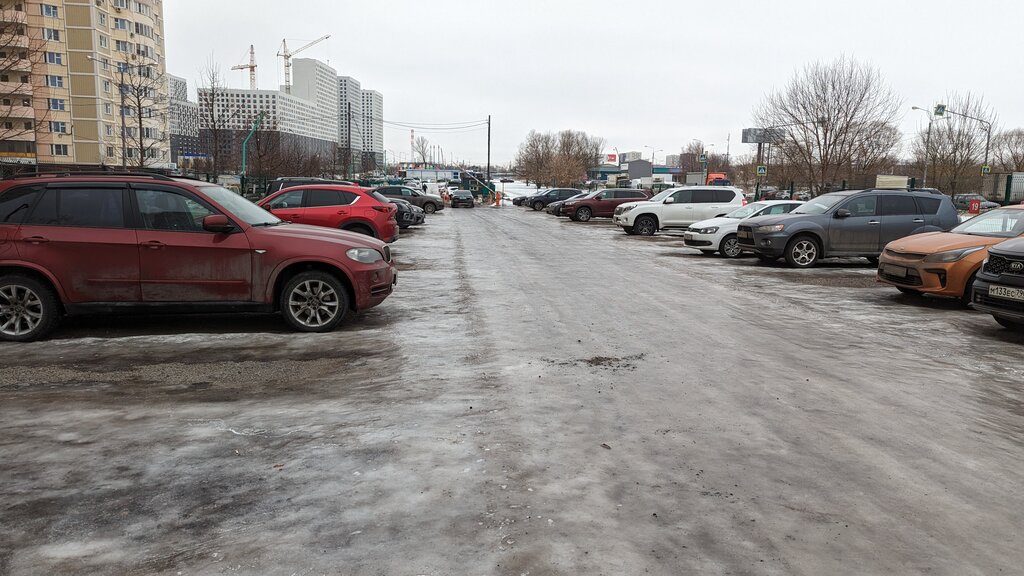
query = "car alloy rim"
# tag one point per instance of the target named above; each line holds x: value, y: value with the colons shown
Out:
x: 429, y: 208
x: 584, y: 214
x: 804, y: 252
x: 313, y: 303
x: 645, y: 226
x: 21, y: 310
x: 732, y: 247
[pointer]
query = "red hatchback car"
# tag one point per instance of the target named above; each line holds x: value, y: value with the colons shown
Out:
x: 76, y: 244
x: 351, y: 208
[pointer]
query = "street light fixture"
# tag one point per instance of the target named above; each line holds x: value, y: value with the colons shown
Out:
x: 927, y: 142
x: 988, y: 128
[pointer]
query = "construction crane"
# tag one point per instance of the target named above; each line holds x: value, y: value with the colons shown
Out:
x: 287, y: 55
x: 251, y: 66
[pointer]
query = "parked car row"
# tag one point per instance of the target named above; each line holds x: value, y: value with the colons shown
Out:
x: 914, y: 236
x: 85, y: 244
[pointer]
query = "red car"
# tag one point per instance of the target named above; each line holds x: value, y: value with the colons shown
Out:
x: 78, y: 244
x: 601, y: 203
x: 351, y: 208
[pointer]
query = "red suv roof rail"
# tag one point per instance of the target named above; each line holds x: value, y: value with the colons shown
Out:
x: 152, y: 175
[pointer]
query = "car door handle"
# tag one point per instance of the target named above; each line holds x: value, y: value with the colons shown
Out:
x: 918, y: 221
x: 342, y: 211
x: 153, y: 244
x: 36, y: 240
x: 293, y: 216
x: 873, y: 222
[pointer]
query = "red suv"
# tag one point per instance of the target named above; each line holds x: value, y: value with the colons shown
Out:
x: 601, y: 203
x: 76, y: 244
x: 351, y: 208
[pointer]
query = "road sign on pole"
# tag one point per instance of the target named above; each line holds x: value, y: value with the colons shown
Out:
x: 940, y: 110
x: 762, y: 170
x: 703, y: 158
x: 986, y: 170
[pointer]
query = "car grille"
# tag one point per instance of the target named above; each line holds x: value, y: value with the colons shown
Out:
x: 999, y: 265
x: 387, y: 253
x: 745, y: 235
x: 911, y: 279
x: 1008, y: 305
x: 904, y: 255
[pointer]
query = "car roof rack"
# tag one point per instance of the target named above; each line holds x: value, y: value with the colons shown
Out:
x: 107, y: 173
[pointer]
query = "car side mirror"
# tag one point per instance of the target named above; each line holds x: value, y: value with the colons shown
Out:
x: 217, y: 223
x: 843, y: 213
x: 670, y: 200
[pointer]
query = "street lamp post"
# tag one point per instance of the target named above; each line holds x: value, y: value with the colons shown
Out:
x: 988, y: 129
x: 927, y: 143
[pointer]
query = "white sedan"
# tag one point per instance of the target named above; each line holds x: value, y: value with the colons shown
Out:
x: 719, y: 234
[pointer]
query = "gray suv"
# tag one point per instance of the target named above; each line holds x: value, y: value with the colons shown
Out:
x: 850, y: 223
x: 430, y: 203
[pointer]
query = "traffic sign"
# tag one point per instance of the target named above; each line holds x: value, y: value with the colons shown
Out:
x: 986, y: 170
x: 940, y: 110
x: 762, y: 170
x: 703, y: 158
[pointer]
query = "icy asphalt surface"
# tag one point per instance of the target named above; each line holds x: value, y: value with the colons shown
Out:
x: 538, y: 397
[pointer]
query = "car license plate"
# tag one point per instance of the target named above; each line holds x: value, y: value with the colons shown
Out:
x: 687, y: 236
x: 744, y: 234
x: 1007, y: 292
x: 897, y: 271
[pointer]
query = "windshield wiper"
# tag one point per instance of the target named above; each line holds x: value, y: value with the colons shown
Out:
x: 278, y: 223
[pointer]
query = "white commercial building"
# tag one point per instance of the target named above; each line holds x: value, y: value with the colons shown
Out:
x: 350, y: 122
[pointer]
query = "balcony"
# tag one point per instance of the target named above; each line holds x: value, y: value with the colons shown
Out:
x: 13, y: 17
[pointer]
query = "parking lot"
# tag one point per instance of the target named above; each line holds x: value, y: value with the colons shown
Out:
x: 538, y: 396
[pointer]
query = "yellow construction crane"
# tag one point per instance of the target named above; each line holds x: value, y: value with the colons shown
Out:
x: 251, y: 66
x: 284, y: 53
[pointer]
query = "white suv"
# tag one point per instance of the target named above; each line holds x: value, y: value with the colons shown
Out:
x: 719, y: 234
x: 677, y: 208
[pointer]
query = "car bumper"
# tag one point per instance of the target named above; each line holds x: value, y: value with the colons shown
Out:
x: 622, y: 219
x: 941, y: 279
x: 390, y: 232
x: 773, y: 245
x: 983, y: 301
x: 703, y: 241
x: 374, y: 284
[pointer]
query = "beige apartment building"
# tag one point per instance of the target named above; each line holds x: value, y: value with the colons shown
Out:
x: 61, y: 65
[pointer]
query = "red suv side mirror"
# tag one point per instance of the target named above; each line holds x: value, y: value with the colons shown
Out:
x: 217, y: 223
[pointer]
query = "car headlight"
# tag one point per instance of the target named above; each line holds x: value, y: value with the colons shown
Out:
x: 365, y: 255
x: 953, y: 255
x: 770, y: 229
x: 627, y: 208
x: 711, y: 230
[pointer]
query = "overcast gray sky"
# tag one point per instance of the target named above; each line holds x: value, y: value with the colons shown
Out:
x: 643, y: 72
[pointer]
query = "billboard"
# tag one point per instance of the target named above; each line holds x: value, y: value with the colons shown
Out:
x: 763, y: 136
x: 612, y: 159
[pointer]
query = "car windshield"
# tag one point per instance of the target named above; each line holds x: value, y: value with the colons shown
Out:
x: 663, y: 194
x: 999, y: 223
x: 747, y: 211
x: 577, y: 197
x: 820, y: 205
x: 239, y: 207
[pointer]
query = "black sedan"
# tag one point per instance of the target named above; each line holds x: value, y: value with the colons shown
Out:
x: 463, y: 198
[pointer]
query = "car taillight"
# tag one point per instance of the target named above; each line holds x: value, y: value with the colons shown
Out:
x: 744, y: 202
x: 388, y: 208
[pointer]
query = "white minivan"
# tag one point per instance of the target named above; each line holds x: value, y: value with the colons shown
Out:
x: 677, y: 208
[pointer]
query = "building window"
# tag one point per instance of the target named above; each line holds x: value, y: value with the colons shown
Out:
x: 121, y: 24
x: 28, y: 125
x: 8, y: 125
x: 59, y: 149
x: 108, y: 108
x: 55, y: 81
x: 106, y: 86
x: 56, y: 104
x: 110, y: 151
x: 103, y: 19
x: 119, y: 3
x: 59, y: 127
x: 108, y: 129
x: 49, y: 11
x: 51, y: 35
x: 122, y: 46
x: 24, y: 102
x: 104, y: 41
x: 54, y: 58
x: 25, y: 79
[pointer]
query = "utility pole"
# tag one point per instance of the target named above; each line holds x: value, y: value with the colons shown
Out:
x: 488, y: 148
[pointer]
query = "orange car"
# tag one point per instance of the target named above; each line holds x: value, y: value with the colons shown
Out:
x: 944, y: 263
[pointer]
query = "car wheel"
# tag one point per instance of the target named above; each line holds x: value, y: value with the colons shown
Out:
x: 429, y: 208
x: 1009, y: 324
x: 968, y: 294
x: 802, y: 252
x: 645, y: 225
x: 730, y: 247
x: 28, y: 309
x: 314, y: 302
x: 360, y: 229
x: 583, y: 214
x: 538, y: 206
x: 629, y: 230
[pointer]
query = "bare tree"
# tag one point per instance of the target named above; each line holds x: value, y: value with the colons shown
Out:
x: 957, y: 144
x: 20, y: 123
x: 828, y: 115
x: 561, y: 159
x: 215, y: 116
x: 1009, y: 150
x: 143, y: 113
x: 421, y: 148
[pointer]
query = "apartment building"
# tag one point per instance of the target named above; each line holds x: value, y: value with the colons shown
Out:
x: 182, y: 122
x: 89, y: 81
x: 373, y: 128
x: 350, y: 123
